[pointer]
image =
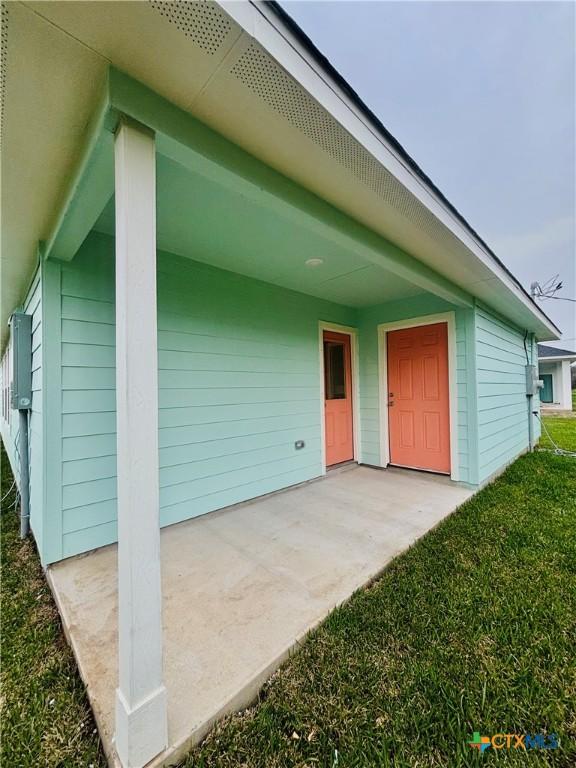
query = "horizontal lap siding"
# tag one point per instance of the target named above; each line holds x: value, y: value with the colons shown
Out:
x: 238, y: 385
x: 9, y: 426
x: 88, y: 400
x: 34, y: 307
x: 502, y: 407
x: 536, y: 401
x: 10, y: 432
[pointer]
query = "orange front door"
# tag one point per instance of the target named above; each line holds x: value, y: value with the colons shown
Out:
x: 338, y: 398
x: 418, y: 397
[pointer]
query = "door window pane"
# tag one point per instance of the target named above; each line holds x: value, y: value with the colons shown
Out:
x: 334, y: 370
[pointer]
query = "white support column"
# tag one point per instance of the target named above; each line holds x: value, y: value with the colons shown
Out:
x: 566, y: 385
x: 141, y: 722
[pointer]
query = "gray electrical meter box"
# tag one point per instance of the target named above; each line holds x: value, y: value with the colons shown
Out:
x: 21, y: 336
x: 533, y: 383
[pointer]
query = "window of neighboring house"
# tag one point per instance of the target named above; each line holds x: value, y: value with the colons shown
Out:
x: 546, y: 393
x: 6, y: 381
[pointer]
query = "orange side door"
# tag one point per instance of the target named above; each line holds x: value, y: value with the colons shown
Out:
x: 418, y: 397
x: 338, y: 398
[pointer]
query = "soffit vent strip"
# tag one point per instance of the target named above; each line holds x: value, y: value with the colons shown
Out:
x: 202, y: 21
x: 3, y: 65
x: 265, y: 78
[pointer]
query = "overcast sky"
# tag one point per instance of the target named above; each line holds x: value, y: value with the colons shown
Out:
x: 482, y: 96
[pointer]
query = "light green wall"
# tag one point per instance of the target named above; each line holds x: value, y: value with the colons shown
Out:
x: 36, y: 429
x: 502, y: 403
x: 418, y: 306
x: 536, y: 402
x: 239, y: 377
x: 238, y: 385
x: 10, y: 431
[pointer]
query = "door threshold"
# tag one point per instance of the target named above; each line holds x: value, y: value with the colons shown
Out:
x: 438, y: 472
x: 348, y: 464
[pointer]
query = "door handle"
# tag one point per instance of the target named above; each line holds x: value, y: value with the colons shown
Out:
x: 390, y: 403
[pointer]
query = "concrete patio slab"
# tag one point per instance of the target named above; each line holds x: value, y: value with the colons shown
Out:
x: 242, y: 586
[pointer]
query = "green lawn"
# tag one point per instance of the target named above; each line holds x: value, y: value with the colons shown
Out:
x: 562, y: 429
x: 472, y: 629
x: 46, y: 718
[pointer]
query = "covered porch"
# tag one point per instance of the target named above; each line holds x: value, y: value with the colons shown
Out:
x: 243, y: 586
x: 193, y: 283
x: 198, y: 218
x: 186, y: 288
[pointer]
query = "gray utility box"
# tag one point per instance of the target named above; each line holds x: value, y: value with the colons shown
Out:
x: 533, y: 383
x: 21, y: 336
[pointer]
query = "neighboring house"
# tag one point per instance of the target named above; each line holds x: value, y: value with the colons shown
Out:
x: 237, y: 278
x: 554, y: 369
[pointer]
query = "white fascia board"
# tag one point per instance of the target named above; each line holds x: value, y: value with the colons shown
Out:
x: 556, y: 358
x: 262, y: 24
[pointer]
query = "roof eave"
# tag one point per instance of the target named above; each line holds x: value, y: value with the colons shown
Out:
x: 556, y: 358
x: 317, y: 59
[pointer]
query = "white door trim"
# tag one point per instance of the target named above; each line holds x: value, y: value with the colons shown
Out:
x: 353, y: 333
x: 442, y: 317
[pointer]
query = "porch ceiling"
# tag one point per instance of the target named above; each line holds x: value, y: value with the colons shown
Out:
x: 206, y: 217
x: 237, y: 69
x: 51, y: 83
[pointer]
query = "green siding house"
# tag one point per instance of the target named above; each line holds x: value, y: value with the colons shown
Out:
x: 555, y: 372
x: 227, y: 260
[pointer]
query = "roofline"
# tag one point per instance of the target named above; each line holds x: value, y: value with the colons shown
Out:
x: 333, y: 73
x: 557, y: 357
